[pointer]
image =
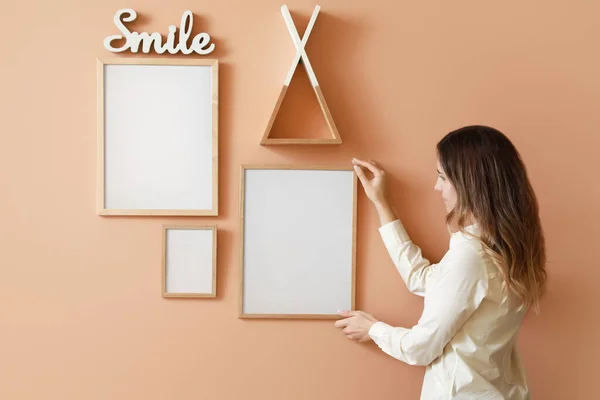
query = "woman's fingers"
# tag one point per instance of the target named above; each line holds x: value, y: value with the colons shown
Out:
x: 341, y: 323
x: 370, y: 166
x: 361, y: 175
x: 375, y: 163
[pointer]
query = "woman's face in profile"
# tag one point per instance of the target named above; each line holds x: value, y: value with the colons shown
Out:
x: 446, y: 189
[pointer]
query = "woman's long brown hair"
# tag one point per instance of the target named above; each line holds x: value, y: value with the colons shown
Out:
x: 493, y: 188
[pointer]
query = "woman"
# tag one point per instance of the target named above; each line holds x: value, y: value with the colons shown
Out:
x: 476, y: 296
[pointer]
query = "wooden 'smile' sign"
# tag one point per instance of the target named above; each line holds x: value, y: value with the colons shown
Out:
x: 200, y: 43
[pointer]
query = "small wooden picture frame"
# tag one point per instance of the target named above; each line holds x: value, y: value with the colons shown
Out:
x: 158, y: 137
x: 189, y: 261
x: 298, y: 241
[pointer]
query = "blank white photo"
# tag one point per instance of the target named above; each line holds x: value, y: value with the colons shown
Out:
x: 298, y: 257
x: 158, y: 139
x: 189, y: 261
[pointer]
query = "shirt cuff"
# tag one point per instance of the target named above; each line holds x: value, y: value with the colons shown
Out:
x: 393, y: 233
x: 378, y: 330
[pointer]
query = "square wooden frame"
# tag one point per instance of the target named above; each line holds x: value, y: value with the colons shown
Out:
x: 164, y: 292
x: 101, y: 209
x: 243, y: 169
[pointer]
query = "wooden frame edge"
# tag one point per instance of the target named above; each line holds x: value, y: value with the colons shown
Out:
x: 242, y: 187
x: 215, y: 136
x: 290, y: 316
x: 158, y: 213
x: 354, y: 243
x: 307, y: 167
x: 139, y: 60
x: 168, y: 295
x: 100, y: 152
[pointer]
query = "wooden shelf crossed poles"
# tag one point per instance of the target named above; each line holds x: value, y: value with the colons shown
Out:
x: 301, y: 55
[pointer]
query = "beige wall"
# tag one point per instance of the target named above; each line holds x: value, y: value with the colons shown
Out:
x: 81, y: 315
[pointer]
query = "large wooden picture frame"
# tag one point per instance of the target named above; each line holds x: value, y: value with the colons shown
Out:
x: 189, y: 261
x: 298, y: 241
x: 158, y: 136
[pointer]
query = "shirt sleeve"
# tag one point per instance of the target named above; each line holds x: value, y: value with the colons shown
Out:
x: 456, y: 294
x: 406, y: 256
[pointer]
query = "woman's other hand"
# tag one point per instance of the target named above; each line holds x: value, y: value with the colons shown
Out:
x: 356, y: 325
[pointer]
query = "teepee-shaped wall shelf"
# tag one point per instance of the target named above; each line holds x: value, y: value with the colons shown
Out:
x: 301, y: 55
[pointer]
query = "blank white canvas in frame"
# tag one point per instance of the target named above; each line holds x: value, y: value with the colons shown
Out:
x: 189, y: 262
x: 159, y: 123
x: 298, y: 242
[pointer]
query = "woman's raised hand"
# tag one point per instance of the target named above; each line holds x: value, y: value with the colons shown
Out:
x: 375, y: 186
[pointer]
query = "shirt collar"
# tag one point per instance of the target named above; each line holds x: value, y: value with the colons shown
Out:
x: 473, y: 229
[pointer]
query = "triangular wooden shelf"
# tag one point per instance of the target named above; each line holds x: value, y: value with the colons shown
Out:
x: 301, y: 55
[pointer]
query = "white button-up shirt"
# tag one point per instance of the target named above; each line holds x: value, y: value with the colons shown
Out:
x: 466, y: 335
